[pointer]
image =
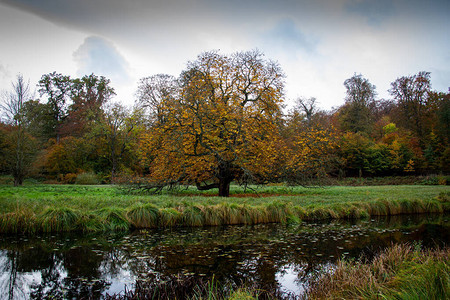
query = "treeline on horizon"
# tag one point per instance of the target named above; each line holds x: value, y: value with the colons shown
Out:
x: 221, y: 120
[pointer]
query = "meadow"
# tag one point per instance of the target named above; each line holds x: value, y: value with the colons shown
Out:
x: 51, y: 208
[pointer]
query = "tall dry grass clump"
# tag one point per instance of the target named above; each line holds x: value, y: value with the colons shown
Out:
x: 143, y: 216
x: 90, y: 222
x: 58, y: 220
x: 169, y: 217
x: 281, y: 212
x: 19, y: 221
x: 114, y: 219
x: 399, y: 272
x: 193, y: 216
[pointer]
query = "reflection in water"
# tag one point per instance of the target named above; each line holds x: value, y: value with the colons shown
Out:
x: 275, y: 256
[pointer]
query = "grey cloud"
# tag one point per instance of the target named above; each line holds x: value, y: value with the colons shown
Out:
x: 375, y: 12
x: 379, y: 11
x: 99, y: 56
x: 85, y: 13
x: 107, y: 13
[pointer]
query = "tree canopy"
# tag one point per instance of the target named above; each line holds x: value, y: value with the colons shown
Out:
x: 221, y: 124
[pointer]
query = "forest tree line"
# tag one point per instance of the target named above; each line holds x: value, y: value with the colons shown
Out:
x: 221, y: 120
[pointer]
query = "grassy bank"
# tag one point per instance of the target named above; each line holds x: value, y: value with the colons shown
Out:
x: 48, y: 208
x: 400, y: 272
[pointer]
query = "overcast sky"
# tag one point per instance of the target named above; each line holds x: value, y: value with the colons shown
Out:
x: 318, y: 43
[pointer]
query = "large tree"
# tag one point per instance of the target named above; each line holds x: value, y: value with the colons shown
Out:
x: 220, y: 125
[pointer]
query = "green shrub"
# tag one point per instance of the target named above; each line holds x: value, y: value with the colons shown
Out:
x: 87, y: 179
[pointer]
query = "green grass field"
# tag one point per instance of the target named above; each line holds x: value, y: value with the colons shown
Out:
x: 40, y: 207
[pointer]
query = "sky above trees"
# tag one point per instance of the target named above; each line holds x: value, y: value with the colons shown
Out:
x: 318, y: 44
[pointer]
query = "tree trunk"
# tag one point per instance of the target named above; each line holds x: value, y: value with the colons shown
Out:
x: 18, y: 181
x: 225, y: 177
x: 224, y: 187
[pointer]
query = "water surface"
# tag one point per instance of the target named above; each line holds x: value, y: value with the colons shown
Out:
x: 276, y: 256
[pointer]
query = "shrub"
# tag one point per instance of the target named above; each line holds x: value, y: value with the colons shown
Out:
x: 87, y: 179
x: 70, y: 178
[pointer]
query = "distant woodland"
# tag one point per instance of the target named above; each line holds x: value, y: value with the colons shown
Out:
x: 222, y: 120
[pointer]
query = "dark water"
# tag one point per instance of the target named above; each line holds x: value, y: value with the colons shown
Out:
x: 282, y: 257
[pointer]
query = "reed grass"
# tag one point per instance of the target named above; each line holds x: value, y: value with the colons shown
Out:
x: 399, y: 272
x: 193, y: 216
x: 104, y: 208
x: 90, y: 222
x: 169, y: 217
x: 18, y: 221
x: 58, y: 219
x: 114, y: 219
x: 143, y: 216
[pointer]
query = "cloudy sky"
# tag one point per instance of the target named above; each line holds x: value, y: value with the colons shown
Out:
x: 318, y: 43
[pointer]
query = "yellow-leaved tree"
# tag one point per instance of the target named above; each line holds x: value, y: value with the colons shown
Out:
x: 217, y: 122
